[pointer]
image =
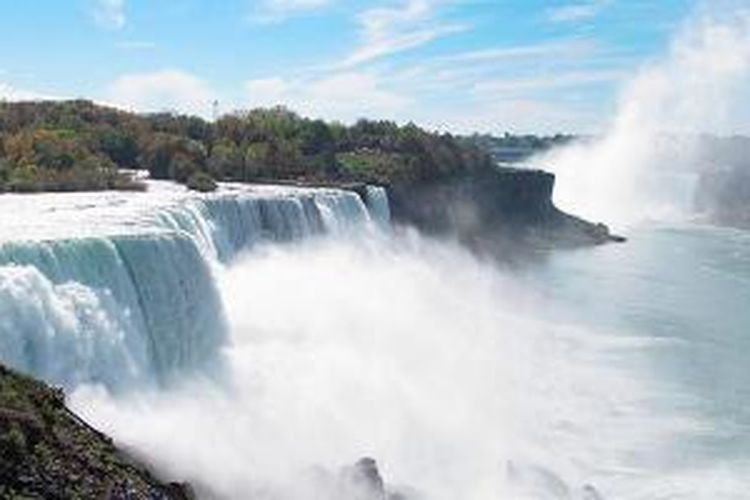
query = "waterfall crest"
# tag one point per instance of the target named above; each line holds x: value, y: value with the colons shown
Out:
x: 138, y: 304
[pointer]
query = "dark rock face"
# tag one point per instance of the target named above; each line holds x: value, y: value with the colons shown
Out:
x: 363, y: 481
x: 498, y: 209
x: 47, y: 452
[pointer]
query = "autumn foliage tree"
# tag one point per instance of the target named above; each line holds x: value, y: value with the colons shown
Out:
x: 74, y: 145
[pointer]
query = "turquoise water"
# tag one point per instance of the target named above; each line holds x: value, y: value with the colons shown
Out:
x: 685, y: 292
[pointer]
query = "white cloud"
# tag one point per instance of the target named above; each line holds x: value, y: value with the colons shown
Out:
x: 389, y: 30
x: 109, y: 14
x: 166, y: 90
x: 577, y: 11
x: 11, y: 93
x: 272, y: 11
x: 344, y: 96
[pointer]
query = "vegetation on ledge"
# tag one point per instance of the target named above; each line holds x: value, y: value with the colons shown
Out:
x: 47, y: 452
x: 79, y: 145
x: 202, y: 182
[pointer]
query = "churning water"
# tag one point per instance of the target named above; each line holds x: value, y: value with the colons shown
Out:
x: 613, y: 372
x: 256, y: 341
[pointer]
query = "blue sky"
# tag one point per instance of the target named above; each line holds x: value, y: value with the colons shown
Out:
x: 487, y: 65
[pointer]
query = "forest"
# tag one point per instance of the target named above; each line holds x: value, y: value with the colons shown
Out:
x: 79, y: 145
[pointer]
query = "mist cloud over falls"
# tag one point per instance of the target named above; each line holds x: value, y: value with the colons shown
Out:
x: 413, y: 352
x: 640, y: 168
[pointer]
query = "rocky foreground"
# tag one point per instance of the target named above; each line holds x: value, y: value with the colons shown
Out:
x: 47, y: 452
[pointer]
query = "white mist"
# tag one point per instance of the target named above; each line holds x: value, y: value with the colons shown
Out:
x: 437, y: 365
x: 637, y: 170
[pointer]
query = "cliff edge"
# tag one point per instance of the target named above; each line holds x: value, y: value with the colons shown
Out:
x: 495, y: 209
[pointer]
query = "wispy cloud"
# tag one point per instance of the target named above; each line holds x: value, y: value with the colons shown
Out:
x: 577, y: 78
x: 496, y: 88
x: 344, y: 96
x: 109, y: 14
x: 460, y: 71
x: 169, y: 89
x: 389, y: 30
x: 274, y: 11
x: 576, y: 12
x: 577, y: 47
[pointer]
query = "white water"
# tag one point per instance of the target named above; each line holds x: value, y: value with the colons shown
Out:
x: 462, y: 380
x: 344, y: 349
x: 257, y: 370
x: 119, y: 288
x: 377, y: 202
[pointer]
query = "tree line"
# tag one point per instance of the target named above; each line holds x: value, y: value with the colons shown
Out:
x: 79, y: 145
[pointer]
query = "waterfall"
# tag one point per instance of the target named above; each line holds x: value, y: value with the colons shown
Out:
x: 226, y: 225
x: 137, y: 303
x: 377, y: 203
x: 117, y: 310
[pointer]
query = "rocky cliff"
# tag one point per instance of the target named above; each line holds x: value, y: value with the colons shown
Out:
x: 491, y: 210
x: 47, y: 452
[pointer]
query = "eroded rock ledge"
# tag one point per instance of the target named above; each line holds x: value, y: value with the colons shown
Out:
x: 492, y: 210
x: 48, y: 452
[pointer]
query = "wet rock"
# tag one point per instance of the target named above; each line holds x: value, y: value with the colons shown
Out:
x: 363, y: 481
x: 591, y: 493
